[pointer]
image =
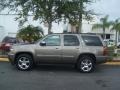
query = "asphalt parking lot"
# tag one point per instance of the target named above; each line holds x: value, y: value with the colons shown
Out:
x: 59, y: 77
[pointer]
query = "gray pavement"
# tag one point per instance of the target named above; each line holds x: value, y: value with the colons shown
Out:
x: 59, y: 77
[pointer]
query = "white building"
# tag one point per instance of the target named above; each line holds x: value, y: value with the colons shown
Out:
x: 2, y: 33
x: 87, y: 28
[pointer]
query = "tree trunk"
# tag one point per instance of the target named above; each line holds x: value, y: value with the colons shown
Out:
x: 104, y: 33
x: 49, y: 27
x: 80, y: 26
x: 80, y: 16
x: 116, y: 38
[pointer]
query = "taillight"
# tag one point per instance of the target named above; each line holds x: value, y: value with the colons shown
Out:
x: 105, y: 51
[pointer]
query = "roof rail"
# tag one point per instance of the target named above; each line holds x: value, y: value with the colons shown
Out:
x: 75, y: 33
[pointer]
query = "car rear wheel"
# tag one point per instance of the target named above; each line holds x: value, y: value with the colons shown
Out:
x: 86, y: 64
x: 24, y: 62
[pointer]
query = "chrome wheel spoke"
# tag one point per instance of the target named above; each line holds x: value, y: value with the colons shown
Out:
x: 89, y: 64
x: 83, y: 63
x: 20, y: 60
x: 83, y: 68
x: 26, y: 66
x: 87, y: 68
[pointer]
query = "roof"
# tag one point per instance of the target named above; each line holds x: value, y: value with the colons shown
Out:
x: 73, y: 33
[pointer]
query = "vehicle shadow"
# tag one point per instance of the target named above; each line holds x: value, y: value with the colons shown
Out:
x: 56, y: 67
x: 66, y: 68
x: 61, y: 68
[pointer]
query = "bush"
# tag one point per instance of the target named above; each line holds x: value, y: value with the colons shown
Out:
x: 111, y: 52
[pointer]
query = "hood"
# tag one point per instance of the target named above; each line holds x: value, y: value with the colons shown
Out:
x: 23, y: 47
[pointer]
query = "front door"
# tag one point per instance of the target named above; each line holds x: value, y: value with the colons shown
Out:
x: 51, y: 51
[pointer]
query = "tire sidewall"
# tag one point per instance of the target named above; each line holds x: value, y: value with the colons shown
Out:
x: 80, y: 61
x: 30, y: 60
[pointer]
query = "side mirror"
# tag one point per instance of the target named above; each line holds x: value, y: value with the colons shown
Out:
x: 43, y: 43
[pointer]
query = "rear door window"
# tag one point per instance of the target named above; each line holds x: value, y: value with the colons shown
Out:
x: 71, y: 40
x: 92, y: 40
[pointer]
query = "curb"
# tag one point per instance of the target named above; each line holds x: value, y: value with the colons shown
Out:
x: 4, y: 60
x: 112, y: 63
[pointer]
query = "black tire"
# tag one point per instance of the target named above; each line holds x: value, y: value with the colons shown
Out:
x: 75, y: 66
x: 24, y: 62
x: 89, y: 65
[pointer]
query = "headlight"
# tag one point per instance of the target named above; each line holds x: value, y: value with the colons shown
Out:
x: 12, y: 50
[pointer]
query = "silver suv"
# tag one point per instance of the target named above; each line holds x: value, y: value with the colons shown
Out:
x: 82, y: 50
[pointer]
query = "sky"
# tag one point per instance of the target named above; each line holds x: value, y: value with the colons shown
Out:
x: 107, y: 7
x: 101, y: 7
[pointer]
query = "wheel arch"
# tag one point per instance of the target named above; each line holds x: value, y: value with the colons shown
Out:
x: 19, y: 53
x: 87, y: 54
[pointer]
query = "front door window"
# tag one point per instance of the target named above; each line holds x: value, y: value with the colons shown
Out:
x: 53, y: 40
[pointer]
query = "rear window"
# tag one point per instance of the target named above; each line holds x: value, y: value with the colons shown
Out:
x: 92, y: 40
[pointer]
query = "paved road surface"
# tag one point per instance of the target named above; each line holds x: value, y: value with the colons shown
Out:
x: 62, y: 77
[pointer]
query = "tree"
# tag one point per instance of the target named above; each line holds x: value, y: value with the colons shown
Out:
x: 116, y: 27
x: 75, y: 11
x: 104, y: 24
x: 30, y: 33
x: 43, y: 10
x: 48, y: 11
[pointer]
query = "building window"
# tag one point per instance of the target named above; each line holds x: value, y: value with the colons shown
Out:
x: 107, y: 36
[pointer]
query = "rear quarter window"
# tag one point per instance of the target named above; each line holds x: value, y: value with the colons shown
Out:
x: 92, y: 41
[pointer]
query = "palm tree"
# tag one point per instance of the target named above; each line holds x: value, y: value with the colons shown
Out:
x: 116, y: 27
x: 30, y: 33
x: 104, y: 24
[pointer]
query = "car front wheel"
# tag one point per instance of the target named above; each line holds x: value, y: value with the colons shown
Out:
x: 24, y: 62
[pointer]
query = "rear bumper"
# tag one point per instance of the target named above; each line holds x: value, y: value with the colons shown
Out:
x: 101, y: 59
x: 11, y: 58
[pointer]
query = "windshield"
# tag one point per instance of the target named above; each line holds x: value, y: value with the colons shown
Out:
x: 39, y: 39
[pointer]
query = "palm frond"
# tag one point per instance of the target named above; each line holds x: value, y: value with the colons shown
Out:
x: 116, y: 25
x: 104, y: 23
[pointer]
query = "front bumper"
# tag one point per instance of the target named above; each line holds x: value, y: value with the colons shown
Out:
x: 11, y: 58
x: 101, y: 59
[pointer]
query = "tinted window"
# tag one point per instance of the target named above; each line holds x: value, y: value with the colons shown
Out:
x: 53, y: 40
x: 92, y: 40
x: 71, y: 40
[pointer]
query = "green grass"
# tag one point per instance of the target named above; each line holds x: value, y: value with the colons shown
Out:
x: 111, y: 53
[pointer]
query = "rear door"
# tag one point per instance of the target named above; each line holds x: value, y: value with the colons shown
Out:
x: 70, y: 48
